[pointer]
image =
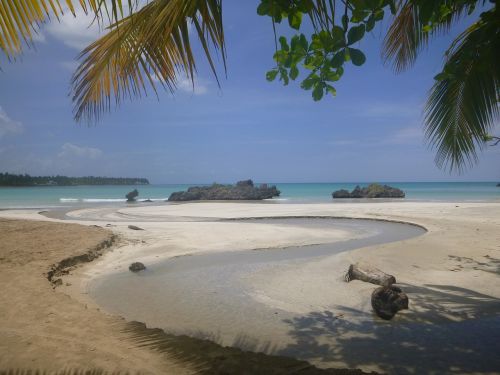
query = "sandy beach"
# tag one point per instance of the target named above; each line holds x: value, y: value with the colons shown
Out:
x: 450, y: 273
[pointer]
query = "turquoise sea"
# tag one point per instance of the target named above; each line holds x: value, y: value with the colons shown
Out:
x: 74, y: 196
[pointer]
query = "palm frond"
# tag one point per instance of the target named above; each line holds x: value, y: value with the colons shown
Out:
x: 152, y: 44
x: 406, y: 37
x: 21, y: 19
x: 463, y: 105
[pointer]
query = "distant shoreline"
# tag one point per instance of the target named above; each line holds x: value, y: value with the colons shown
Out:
x: 20, y: 180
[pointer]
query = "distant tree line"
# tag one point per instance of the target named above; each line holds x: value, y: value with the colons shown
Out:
x: 7, y: 179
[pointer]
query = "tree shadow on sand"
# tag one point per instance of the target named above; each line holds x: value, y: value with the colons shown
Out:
x: 447, y: 330
x: 206, y: 356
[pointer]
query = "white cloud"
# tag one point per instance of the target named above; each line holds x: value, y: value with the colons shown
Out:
x: 69, y: 65
x: 185, y: 85
x: 200, y: 87
x: 38, y: 37
x: 76, y: 32
x: 70, y: 150
x: 9, y: 126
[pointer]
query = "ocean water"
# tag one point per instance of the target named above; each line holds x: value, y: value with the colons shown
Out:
x: 76, y: 196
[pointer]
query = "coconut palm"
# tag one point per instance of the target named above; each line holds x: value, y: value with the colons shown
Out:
x: 462, y: 107
x: 151, y: 44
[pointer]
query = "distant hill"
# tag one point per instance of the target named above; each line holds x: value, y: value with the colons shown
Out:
x: 7, y: 179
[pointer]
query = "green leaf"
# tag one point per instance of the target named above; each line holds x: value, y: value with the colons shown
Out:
x: 347, y: 54
x: 379, y: 14
x: 326, y: 39
x: 284, y: 44
x: 358, y: 15
x: 331, y: 90
x: 338, y: 34
x: 263, y: 9
x: 271, y: 75
x: 294, y: 72
x: 332, y: 76
x: 309, y: 82
x: 345, y: 21
x: 358, y: 58
x: 315, y: 42
x: 294, y: 20
x: 305, y: 6
x: 337, y: 59
x: 355, y: 34
x: 392, y: 5
x: 370, y: 24
x: 284, y: 76
x: 318, y: 92
x: 303, y: 42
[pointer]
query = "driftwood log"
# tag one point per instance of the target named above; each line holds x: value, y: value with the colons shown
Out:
x: 364, y: 272
x: 388, y: 300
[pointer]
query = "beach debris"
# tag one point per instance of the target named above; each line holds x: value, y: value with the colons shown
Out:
x: 369, y: 274
x: 388, y: 300
x: 134, y: 227
x: 243, y: 190
x: 132, y: 195
x: 136, y: 267
x: 371, y: 191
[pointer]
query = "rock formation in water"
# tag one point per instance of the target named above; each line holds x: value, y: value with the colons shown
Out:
x: 371, y: 191
x: 388, y: 300
x: 132, y: 195
x: 243, y: 190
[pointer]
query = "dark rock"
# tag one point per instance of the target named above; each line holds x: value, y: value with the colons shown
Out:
x: 132, y: 195
x: 147, y: 201
x: 136, y: 267
x: 243, y: 190
x: 357, y: 192
x: 498, y: 185
x: 133, y: 227
x: 371, y: 191
x: 388, y: 300
x: 244, y: 183
x: 342, y: 193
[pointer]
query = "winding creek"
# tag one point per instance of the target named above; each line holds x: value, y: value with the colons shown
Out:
x: 209, y: 296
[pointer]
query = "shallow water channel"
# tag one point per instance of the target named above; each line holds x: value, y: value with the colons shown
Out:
x: 206, y: 295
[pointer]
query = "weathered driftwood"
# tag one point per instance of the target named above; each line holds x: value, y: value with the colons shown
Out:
x: 388, y: 300
x: 369, y: 274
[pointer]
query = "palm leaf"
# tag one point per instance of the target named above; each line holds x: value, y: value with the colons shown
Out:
x: 463, y: 104
x: 406, y: 36
x: 21, y: 19
x: 149, y: 45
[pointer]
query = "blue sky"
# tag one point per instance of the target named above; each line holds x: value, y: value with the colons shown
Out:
x: 250, y: 128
